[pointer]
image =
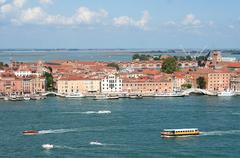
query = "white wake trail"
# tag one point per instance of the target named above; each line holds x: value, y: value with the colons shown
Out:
x: 51, y: 131
x: 220, y: 133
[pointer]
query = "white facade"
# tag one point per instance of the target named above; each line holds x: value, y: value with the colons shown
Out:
x: 111, y: 84
x: 23, y: 73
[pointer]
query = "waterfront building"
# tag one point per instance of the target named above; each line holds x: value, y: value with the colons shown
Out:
x: 10, y: 84
x: 111, y: 84
x: 235, y: 83
x: 179, y: 80
x: 218, y: 80
x: 77, y: 84
x: 37, y: 85
x: 148, y: 86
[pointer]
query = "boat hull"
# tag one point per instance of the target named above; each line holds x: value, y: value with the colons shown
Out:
x: 29, y: 133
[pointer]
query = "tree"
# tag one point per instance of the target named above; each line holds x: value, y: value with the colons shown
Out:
x: 169, y: 65
x: 201, y: 82
x: 188, y: 58
x: 201, y: 60
x: 135, y: 56
x: 1, y: 65
x: 49, y: 81
x: 141, y: 57
x: 186, y: 86
x: 114, y: 65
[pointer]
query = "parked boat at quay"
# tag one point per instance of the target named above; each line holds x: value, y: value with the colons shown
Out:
x: 135, y: 96
x: 175, y: 94
x: 180, y: 132
x: 37, y: 97
x: 75, y: 95
x: 105, y: 96
x: 226, y: 93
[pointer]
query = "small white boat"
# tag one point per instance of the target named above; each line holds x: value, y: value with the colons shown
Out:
x: 47, y: 146
x: 75, y: 95
x: 26, y: 98
x: 169, y: 95
x: 104, y: 97
x: 112, y: 97
x: 95, y: 143
x: 226, y: 94
x: 100, y: 97
x: 6, y: 98
x: 135, y: 96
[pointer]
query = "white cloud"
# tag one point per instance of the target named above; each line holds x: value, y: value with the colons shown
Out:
x: 36, y: 14
x: 19, y: 3
x: 129, y: 21
x: 82, y: 16
x: 85, y: 15
x: 46, y: 1
x: 170, y: 23
x: 231, y: 26
x: 2, y: 2
x: 7, y: 8
x: 191, y: 21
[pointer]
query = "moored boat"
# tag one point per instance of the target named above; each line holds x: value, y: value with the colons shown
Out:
x: 105, y: 96
x: 180, y: 132
x: 100, y: 97
x: 75, y: 95
x: 226, y: 94
x: 169, y: 95
x: 30, y: 132
x: 135, y: 96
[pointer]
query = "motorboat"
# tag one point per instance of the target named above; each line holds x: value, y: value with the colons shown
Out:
x: 135, y: 96
x: 74, y: 95
x: 105, y: 97
x: 100, y: 97
x: 226, y: 94
x: 180, y: 132
x: 47, y: 146
x: 169, y: 95
x: 30, y: 132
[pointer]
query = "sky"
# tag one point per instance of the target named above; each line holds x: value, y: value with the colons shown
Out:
x: 92, y: 24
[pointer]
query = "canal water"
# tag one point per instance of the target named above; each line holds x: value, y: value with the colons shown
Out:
x: 123, y: 128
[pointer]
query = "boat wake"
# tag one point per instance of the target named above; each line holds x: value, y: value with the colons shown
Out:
x: 90, y: 112
x: 220, y: 133
x: 97, y: 112
x: 236, y: 113
x: 50, y: 131
x: 52, y: 146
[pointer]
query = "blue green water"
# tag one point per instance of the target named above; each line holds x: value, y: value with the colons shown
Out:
x: 132, y: 129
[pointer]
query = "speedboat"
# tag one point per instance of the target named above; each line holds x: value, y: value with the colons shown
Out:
x: 30, y: 132
x: 180, y: 132
x: 47, y: 146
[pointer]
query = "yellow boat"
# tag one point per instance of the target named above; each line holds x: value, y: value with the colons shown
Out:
x: 180, y: 132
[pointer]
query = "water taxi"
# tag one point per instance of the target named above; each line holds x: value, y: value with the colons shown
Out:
x: 180, y: 132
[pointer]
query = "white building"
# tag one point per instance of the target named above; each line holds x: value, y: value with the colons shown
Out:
x: 23, y: 73
x: 111, y: 84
